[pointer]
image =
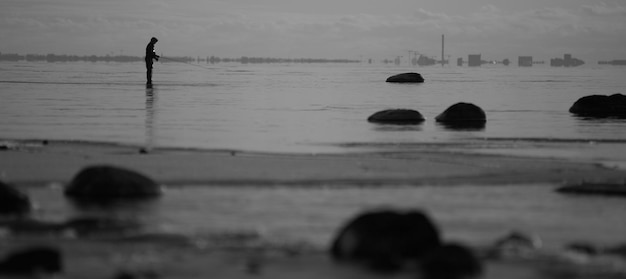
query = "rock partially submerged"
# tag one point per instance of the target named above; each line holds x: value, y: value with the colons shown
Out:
x: 600, y: 106
x: 585, y: 188
x: 406, y: 78
x: 397, y: 116
x: 12, y: 201
x: 386, y: 240
x: 462, y: 113
x: 106, y: 183
x: 463, y: 116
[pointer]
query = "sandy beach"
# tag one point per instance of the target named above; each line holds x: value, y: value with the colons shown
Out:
x: 28, y: 164
x: 33, y: 163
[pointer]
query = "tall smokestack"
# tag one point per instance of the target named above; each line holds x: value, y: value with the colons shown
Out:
x: 442, y: 59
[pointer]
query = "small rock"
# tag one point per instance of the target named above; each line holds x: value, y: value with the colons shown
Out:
x: 89, y: 226
x: 619, y: 250
x: 584, y: 248
x: 126, y: 274
x: 604, y: 189
x: 12, y: 201
x: 406, y: 78
x: 397, y: 116
x: 515, y: 244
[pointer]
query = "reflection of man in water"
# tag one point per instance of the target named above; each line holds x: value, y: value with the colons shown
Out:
x: 150, y: 55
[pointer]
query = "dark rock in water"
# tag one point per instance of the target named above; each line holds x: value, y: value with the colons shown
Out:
x: 79, y: 227
x: 33, y: 261
x: 451, y: 261
x: 600, y: 106
x: 139, y: 274
x: 397, y: 116
x: 462, y: 114
x: 386, y: 240
x: 406, y: 78
x: 619, y: 250
x: 90, y: 226
x: 12, y: 201
x: 583, y: 248
x: 21, y: 226
x: 104, y: 183
x: 515, y: 244
x: 606, y: 189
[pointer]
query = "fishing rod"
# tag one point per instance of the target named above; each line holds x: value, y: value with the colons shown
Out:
x: 185, y: 62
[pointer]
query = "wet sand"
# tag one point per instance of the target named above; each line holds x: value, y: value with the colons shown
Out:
x: 32, y: 164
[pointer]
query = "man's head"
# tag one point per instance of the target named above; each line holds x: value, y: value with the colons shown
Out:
x: 153, y: 40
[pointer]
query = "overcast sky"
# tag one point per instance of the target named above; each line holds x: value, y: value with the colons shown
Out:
x: 319, y: 29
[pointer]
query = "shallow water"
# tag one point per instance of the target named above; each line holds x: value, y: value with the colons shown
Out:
x: 477, y: 215
x: 323, y: 108
x: 294, y: 107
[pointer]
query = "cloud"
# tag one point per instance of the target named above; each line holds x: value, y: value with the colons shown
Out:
x: 424, y: 15
x: 97, y: 27
x: 603, y: 9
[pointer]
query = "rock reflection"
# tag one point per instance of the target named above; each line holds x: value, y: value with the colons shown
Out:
x: 473, y: 126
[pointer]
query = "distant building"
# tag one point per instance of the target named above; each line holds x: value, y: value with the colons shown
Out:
x: 474, y: 60
x: 525, y: 61
x: 618, y: 62
x: 556, y: 62
x: 397, y: 60
x: 426, y: 61
x: 459, y: 61
x: 567, y: 61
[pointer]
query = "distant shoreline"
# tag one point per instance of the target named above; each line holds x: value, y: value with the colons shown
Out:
x: 183, y: 59
x: 15, y: 57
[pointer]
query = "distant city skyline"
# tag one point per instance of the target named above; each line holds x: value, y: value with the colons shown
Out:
x: 347, y: 29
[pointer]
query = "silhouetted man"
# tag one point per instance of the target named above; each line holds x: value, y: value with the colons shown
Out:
x: 150, y: 55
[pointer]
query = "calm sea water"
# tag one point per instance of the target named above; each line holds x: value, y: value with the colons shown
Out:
x: 294, y: 107
x: 323, y: 108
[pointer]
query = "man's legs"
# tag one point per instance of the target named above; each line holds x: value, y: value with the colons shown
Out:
x: 149, y: 72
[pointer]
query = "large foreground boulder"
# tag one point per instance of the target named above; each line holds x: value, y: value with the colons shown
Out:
x: 386, y: 240
x: 406, y: 78
x: 35, y: 261
x: 105, y: 183
x: 12, y: 201
x: 600, y: 106
x: 451, y: 261
x: 397, y: 116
